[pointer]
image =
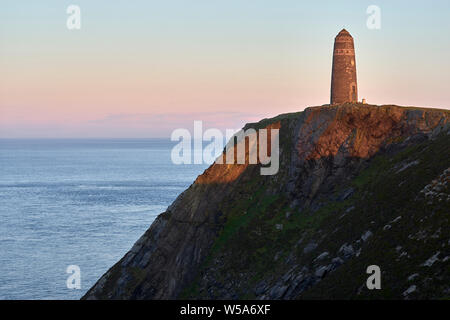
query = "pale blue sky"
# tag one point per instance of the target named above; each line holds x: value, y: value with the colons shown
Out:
x: 250, y: 59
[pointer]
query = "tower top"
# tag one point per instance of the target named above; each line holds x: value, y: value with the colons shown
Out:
x: 344, y: 33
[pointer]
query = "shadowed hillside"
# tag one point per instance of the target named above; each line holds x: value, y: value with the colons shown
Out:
x: 358, y: 185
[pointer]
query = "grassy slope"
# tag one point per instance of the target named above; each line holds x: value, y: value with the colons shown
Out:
x: 383, y: 194
x: 251, y: 248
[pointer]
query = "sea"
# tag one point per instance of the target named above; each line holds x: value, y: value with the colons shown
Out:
x: 78, y: 202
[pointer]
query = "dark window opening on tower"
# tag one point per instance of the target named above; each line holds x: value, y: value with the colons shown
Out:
x: 354, y: 99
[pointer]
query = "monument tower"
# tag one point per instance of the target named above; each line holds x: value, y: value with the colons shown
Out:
x: 343, y: 76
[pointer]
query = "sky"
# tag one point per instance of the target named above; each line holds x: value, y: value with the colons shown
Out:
x: 139, y: 69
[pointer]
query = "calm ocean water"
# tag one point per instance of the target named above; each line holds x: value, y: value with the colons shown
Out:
x: 78, y: 202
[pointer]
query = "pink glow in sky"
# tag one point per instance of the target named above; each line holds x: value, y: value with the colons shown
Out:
x: 144, y: 69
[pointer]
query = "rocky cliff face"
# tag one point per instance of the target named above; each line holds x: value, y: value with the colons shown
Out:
x: 358, y: 185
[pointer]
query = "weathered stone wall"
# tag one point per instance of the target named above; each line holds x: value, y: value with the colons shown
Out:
x: 343, y: 78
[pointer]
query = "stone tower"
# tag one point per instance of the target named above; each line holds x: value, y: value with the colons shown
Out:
x: 343, y: 76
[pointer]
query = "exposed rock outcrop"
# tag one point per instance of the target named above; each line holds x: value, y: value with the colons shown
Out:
x: 236, y: 234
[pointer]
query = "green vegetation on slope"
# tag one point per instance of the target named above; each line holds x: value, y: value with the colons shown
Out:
x: 263, y: 237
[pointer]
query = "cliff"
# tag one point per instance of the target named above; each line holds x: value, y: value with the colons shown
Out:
x: 358, y: 185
